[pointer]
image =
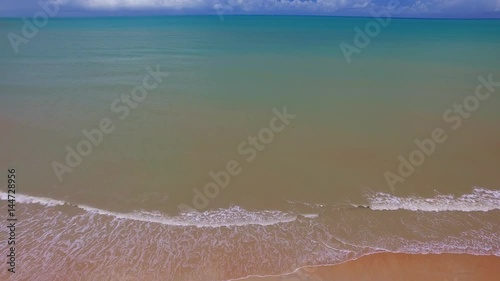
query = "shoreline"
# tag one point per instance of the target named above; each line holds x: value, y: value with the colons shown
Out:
x: 399, y: 267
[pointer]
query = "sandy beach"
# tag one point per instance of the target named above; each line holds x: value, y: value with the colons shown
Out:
x: 402, y: 267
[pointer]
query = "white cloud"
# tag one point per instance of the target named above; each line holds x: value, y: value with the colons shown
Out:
x: 116, y: 4
x: 415, y: 7
x: 243, y: 5
x: 361, y: 5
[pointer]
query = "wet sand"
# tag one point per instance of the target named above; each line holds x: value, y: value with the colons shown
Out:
x: 402, y: 267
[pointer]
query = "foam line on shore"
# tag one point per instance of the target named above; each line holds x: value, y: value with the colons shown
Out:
x: 233, y: 216
x: 480, y: 200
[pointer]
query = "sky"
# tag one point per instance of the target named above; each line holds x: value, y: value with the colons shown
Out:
x: 401, y: 8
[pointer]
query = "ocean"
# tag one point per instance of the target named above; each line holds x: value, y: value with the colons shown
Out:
x: 214, y: 148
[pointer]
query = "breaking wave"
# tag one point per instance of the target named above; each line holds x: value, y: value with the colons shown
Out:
x: 233, y: 216
x: 232, y: 243
x: 481, y: 199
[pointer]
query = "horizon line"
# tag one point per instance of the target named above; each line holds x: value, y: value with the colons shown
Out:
x: 253, y: 15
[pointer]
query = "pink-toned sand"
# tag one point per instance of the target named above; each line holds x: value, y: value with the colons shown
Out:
x: 402, y: 267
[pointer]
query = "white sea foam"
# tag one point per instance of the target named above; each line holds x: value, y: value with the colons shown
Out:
x: 310, y: 241
x: 310, y: 216
x: 233, y: 216
x: 481, y: 199
x: 26, y: 199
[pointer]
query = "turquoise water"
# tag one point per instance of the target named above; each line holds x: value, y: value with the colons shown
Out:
x: 291, y: 206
